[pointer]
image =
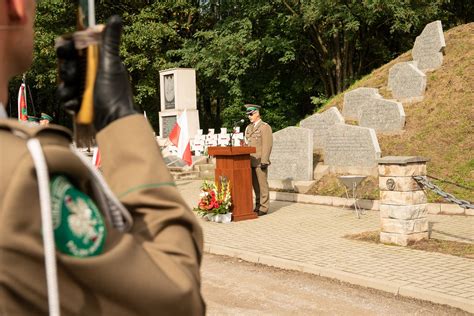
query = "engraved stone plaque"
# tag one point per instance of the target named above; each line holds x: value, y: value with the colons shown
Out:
x: 429, y: 47
x: 355, y: 99
x: 408, y: 83
x: 292, y: 154
x: 168, y: 123
x: 320, y: 124
x: 351, y: 146
x: 382, y: 115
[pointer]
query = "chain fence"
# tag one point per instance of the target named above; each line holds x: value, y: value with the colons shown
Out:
x: 425, y: 183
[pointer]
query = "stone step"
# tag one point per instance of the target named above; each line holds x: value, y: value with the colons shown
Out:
x: 206, y: 175
x: 185, y: 175
x: 205, y: 167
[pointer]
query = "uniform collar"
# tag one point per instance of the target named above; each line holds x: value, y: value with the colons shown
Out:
x: 256, y: 123
x: 3, y: 113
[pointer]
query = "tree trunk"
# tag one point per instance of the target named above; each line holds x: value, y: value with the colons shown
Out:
x: 345, y: 60
x: 337, y: 63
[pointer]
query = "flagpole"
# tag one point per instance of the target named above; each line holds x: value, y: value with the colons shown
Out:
x: 22, y: 100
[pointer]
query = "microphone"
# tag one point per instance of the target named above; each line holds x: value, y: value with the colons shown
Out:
x: 234, y: 130
x: 238, y: 122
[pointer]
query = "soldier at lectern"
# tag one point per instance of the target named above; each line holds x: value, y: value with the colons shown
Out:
x: 258, y: 134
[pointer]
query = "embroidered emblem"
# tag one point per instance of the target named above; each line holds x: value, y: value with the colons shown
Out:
x: 79, y: 229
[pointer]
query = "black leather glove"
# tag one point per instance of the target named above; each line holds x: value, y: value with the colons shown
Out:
x: 264, y: 166
x: 113, y: 97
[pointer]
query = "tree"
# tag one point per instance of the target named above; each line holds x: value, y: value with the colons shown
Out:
x: 287, y: 55
x: 342, y: 40
x: 54, y: 17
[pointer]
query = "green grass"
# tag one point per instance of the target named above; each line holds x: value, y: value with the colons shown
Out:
x: 454, y: 248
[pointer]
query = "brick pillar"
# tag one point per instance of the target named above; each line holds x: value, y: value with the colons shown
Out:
x: 403, y: 212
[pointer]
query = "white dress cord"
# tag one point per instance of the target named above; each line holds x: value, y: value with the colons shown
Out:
x: 115, y: 211
x: 39, y: 161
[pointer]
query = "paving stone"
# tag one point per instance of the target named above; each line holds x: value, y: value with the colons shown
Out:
x: 309, y: 238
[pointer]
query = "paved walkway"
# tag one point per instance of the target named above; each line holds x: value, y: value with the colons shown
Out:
x: 309, y: 238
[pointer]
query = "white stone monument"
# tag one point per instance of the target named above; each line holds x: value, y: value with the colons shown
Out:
x: 178, y: 93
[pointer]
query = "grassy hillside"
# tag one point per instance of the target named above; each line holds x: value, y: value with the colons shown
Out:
x: 441, y: 127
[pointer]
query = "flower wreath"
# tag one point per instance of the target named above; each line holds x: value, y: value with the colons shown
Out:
x: 214, y: 200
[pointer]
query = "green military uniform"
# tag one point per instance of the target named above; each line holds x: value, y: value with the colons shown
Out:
x: 153, y: 269
x: 259, y: 135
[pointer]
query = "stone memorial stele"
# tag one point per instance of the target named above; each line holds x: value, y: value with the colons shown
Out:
x: 292, y: 155
x: 407, y: 83
x: 429, y: 47
x: 384, y: 116
x: 320, y: 123
x: 351, y: 149
x: 356, y: 98
x: 392, y: 73
x: 178, y: 96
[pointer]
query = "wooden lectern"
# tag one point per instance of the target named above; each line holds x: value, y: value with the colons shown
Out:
x: 234, y: 163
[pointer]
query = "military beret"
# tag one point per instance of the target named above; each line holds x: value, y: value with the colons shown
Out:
x: 250, y: 108
x: 33, y: 119
x: 45, y: 116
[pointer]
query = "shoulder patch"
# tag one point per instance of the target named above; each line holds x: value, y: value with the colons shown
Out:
x: 79, y: 228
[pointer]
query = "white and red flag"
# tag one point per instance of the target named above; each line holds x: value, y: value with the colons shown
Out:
x: 179, y: 136
x: 96, y: 159
x: 22, y: 105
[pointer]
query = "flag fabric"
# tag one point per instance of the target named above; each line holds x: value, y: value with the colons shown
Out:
x: 179, y: 136
x: 96, y: 159
x: 22, y: 105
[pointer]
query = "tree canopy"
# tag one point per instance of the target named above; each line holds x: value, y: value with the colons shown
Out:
x: 289, y: 56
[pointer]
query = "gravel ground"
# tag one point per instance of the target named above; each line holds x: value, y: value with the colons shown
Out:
x: 234, y: 287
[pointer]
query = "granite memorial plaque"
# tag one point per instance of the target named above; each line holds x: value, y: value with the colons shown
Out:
x: 320, y: 122
x: 351, y: 146
x: 407, y: 83
x: 429, y: 47
x: 384, y: 116
x: 392, y: 73
x: 168, y: 124
x: 292, y: 154
x: 356, y: 98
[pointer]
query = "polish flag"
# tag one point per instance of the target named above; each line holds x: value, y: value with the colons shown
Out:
x: 179, y: 136
x: 96, y: 159
x: 22, y: 105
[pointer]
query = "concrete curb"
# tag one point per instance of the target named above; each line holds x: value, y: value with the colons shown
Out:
x: 433, y: 208
x: 393, y: 287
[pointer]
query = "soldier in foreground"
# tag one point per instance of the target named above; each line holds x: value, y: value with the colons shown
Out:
x: 131, y: 247
x: 258, y: 134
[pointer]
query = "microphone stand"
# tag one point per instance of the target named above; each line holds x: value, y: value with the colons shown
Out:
x: 232, y: 137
